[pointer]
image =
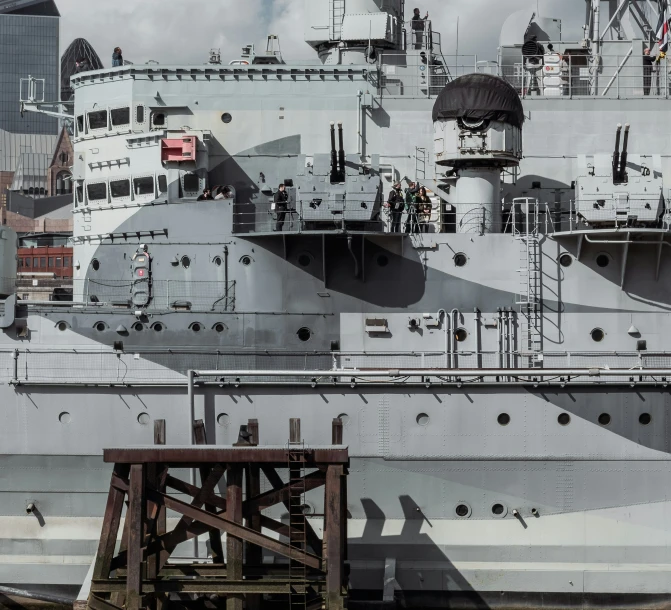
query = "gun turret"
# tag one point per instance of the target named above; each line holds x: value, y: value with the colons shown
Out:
x: 622, y: 174
x: 616, y: 153
x: 334, y: 155
x: 341, y: 153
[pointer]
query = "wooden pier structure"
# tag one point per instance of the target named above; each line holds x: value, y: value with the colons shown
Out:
x: 307, y: 571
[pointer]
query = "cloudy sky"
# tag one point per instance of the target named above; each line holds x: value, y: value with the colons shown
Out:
x: 183, y: 31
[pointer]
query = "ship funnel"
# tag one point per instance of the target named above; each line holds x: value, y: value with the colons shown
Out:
x: 616, y: 153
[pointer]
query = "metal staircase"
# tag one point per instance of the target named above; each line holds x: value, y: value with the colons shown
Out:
x: 297, y: 525
x: 530, y: 298
x: 336, y: 16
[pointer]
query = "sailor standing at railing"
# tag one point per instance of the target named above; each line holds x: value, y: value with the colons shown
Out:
x: 280, y: 202
x: 418, y: 27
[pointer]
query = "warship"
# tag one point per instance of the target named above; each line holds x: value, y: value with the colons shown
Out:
x: 498, y: 359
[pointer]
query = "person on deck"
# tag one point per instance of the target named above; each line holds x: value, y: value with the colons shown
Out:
x: 418, y: 27
x: 117, y: 57
x: 280, y: 201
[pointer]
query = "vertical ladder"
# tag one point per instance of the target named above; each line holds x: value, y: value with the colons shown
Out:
x: 336, y: 16
x: 297, y: 522
x: 531, y: 281
x: 420, y: 163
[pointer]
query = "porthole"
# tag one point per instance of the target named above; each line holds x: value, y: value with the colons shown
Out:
x: 382, y: 260
x: 304, y: 260
x: 138, y: 327
x: 62, y: 326
x: 565, y: 260
x: 217, y: 261
x: 644, y: 419
x: 461, y: 334
x: 186, y: 262
x: 100, y: 327
x: 158, y: 327
x: 462, y: 510
x: 604, y: 419
x: 603, y: 260
x: 196, y: 327
x: 597, y: 335
x: 460, y: 259
x: 64, y: 418
x: 503, y: 419
x: 95, y: 263
x: 499, y: 510
x: 246, y: 260
x: 219, y: 328
x: 143, y: 419
x: 223, y: 419
x: 304, y: 334
x: 307, y: 509
x: 226, y: 118
x: 564, y: 419
x: 422, y: 419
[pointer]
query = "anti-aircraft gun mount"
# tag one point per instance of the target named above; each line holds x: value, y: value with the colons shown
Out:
x: 620, y: 191
x: 619, y: 200
x: 329, y: 192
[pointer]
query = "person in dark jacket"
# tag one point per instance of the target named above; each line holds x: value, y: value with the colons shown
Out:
x: 648, y: 63
x: 206, y: 196
x: 280, y: 201
x: 411, y: 221
x: 396, y: 203
x: 117, y: 57
x: 418, y: 27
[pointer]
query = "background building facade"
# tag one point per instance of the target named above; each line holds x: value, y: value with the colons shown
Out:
x: 29, y: 46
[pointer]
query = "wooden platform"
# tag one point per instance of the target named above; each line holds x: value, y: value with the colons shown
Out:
x: 139, y: 574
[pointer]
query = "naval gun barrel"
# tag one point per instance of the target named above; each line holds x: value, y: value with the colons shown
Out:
x: 623, y: 157
x: 334, y: 155
x: 341, y: 153
x: 616, y: 153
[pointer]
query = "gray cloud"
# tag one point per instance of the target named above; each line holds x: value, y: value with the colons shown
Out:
x: 183, y: 31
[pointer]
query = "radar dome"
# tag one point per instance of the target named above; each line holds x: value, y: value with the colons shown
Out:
x: 479, y: 97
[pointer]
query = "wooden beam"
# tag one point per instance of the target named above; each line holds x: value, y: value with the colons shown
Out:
x: 136, y: 506
x: 332, y: 537
x: 282, y: 492
x: 215, y: 535
x: 314, y: 542
x: 215, y: 520
x: 234, y: 543
x: 111, y: 522
x: 209, y: 585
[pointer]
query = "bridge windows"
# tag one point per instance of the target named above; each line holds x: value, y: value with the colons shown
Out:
x: 97, y: 192
x: 143, y: 186
x: 120, y: 189
x: 158, y: 120
x: 120, y: 117
x: 98, y: 119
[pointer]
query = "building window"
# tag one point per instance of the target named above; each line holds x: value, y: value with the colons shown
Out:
x: 120, y: 116
x: 120, y: 188
x: 66, y: 261
x: 59, y: 262
x: 36, y: 262
x: 98, y: 119
x: 43, y: 262
x: 63, y: 158
x: 64, y: 183
x: 20, y: 263
x: 27, y: 262
x: 51, y: 262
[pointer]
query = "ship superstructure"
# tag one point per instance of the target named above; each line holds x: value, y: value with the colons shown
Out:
x: 501, y: 377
